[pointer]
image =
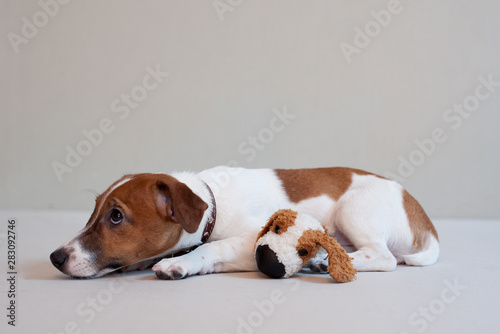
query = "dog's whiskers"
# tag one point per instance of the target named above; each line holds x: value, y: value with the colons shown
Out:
x: 92, y: 191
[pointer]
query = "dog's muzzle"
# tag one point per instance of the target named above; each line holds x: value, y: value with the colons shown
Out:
x: 268, y: 262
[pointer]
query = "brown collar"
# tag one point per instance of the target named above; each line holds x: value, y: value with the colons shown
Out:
x: 209, y: 227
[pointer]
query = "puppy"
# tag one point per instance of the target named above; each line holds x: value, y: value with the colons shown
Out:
x: 144, y: 217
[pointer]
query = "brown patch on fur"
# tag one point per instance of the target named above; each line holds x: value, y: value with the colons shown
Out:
x: 339, y: 263
x: 281, y: 219
x: 157, y: 208
x: 420, y: 224
x: 301, y: 184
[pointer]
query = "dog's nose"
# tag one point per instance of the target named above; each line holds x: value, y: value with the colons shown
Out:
x: 58, y: 258
x: 268, y: 262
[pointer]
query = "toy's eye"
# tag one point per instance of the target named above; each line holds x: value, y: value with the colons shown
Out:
x: 303, y: 252
x: 277, y: 229
x: 116, y: 216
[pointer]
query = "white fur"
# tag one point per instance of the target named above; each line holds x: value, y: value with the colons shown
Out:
x: 427, y: 256
x: 80, y: 261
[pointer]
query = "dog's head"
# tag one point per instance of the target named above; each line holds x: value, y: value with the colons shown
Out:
x: 140, y: 216
x: 290, y: 239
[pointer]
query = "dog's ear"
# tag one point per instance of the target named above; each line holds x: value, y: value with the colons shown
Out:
x: 175, y: 201
x: 339, y: 263
x: 279, y: 221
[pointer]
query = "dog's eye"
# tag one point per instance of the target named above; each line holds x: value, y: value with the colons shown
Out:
x: 277, y: 229
x: 303, y: 252
x: 116, y: 216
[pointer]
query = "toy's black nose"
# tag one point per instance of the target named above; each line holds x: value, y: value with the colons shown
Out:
x: 58, y: 258
x: 268, y: 262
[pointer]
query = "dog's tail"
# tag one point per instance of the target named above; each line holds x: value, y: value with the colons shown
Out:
x: 427, y: 256
x: 425, y: 238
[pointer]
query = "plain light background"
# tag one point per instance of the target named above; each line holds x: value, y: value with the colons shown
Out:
x: 230, y: 73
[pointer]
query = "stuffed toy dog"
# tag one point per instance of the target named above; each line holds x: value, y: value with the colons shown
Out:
x: 290, y: 239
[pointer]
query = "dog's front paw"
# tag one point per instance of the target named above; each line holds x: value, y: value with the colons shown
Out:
x: 170, y: 269
x: 319, y: 263
x: 318, y: 267
x: 171, y: 273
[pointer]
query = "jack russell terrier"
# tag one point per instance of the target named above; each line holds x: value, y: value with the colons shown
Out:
x: 146, y: 217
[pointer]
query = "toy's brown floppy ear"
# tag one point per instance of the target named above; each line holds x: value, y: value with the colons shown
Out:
x: 282, y: 219
x: 339, y: 263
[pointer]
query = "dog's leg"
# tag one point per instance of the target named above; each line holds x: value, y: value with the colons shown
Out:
x: 373, y: 258
x: 372, y: 253
x: 364, y: 259
x: 371, y: 216
x: 319, y: 263
x: 232, y: 254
